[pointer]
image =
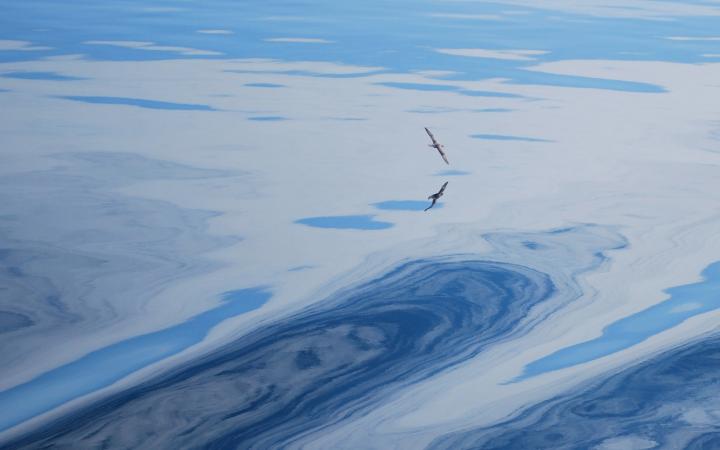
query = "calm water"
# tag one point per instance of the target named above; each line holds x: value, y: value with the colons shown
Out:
x: 213, y: 230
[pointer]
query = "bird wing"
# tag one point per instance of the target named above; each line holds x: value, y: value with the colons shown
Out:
x: 442, y: 153
x: 431, y: 136
x: 432, y: 204
x: 442, y: 189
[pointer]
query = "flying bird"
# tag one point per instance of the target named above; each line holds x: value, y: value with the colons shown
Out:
x: 436, y: 196
x: 435, y: 144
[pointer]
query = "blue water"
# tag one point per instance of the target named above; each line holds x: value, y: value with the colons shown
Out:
x: 502, y: 137
x: 350, y: 350
x: 405, y: 205
x: 405, y: 35
x: 685, y: 302
x: 667, y: 402
x: 105, y: 366
x: 139, y: 102
x: 40, y: 76
x: 359, y: 222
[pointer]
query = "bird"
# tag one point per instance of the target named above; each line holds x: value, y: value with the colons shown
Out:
x: 436, y: 196
x: 435, y: 144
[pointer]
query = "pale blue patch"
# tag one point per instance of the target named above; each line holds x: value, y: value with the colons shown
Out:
x: 53, y: 76
x: 685, y: 302
x: 452, y: 173
x: 139, y: 102
x: 358, y: 222
x: 405, y: 205
x: 502, y: 137
x: 104, y: 367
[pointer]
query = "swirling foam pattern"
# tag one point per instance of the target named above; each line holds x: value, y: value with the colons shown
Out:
x: 319, y: 367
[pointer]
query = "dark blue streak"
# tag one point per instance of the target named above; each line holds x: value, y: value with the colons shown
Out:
x: 139, y: 102
x: 40, y: 76
x: 322, y: 365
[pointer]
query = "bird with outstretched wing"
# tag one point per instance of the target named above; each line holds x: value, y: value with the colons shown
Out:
x: 436, y: 196
x: 436, y: 145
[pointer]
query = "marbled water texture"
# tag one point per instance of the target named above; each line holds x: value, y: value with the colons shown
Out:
x: 684, y: 302
x: 178, y: 167
x: 296, y: 376
x: 668, y: 401
x: 48, y: 288
x: 105, y: 366
x: 343, y: 356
